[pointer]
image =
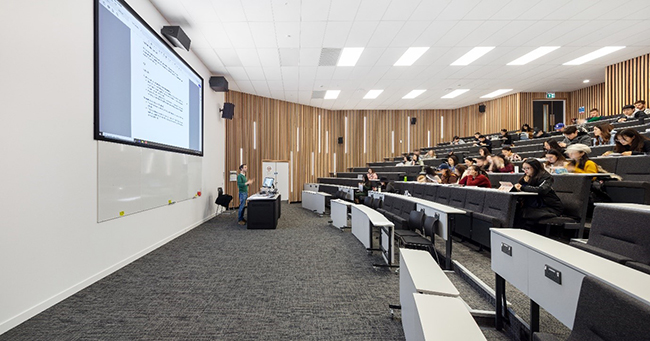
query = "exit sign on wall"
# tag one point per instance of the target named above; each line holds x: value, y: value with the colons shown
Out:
x: 550, y: 95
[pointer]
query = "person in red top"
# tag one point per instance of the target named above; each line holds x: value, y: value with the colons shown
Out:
x: 475, y: 178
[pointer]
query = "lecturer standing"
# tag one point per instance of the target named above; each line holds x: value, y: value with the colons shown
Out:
x: 242, y: 184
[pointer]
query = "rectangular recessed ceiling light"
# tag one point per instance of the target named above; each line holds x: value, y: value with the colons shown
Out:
x: 332, y: 94
x: 413, y: 94
x: 410, y: 56
x: 349, y: 56
x: 455, y: 93
x: 534, y: 54
x: 496, y: 93
x: 473, y: 55
x: 596, y: 54
x: 372, y: 94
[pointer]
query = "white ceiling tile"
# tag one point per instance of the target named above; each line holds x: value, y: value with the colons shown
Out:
x: 277, y: 93
x: 216, y: 35
x: 342, y: 73
x: 434, y: 32
x: 361, y: 33
x: 269, y: 57
x: 240, y: 35
x: 290, y: 73
x: 246, y: 86
x: 286, y: 10
x: 289, y: 57
x: 485, y: 9
x: 312, y: 33
x: 261, y: 87
x: 263, y: 34
x: 255, y: 73
x: 238, y: 73
x: 385, y: 33
x: 370, y: 56
x: 391, y: 55
x: 211, y: 60
x: 372, y: 10
x: 248, y: 57
x: 411, y: 31
x: 514, y: 9
x: 314, y: 10
x: 228, y: 57
x: 482, y: 33
x: 258, y: 10
x: 429, y: 10
x: 288, y: 34
x: 309, y: 56
x: 336, y: 33
x: 343, y: 10
x: 325, y: 72
x: 275, y: 85
x: 541, y: 10
x: 229, y: 10
x: 461, y: 30
x: 400, y: 10
x: 200, y: 11
x: 308, y: 72
x: 626, y: 11
x: 456, y: 10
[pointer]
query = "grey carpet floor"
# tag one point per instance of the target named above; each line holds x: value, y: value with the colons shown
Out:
x: 304, y: 281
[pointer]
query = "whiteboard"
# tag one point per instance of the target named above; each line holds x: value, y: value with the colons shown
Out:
x: 132, y: 179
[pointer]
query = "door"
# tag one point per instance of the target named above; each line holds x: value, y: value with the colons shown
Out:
x: 547, y: 113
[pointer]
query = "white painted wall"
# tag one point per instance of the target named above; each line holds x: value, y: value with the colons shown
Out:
x: 51, y: 245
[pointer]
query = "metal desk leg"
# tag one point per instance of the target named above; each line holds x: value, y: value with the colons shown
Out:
x: 534, y: 318
x: 450, y: 229
x: 500, y: 301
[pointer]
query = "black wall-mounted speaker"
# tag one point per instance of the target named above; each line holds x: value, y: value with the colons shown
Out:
x: 481, y: 108
x: 176, y: 36
x: 219, y: 84
x: 414, y: 120
x: 340, y: 140
x: 228, y: 111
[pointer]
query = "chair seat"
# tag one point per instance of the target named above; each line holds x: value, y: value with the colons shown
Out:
x: 558, y: 221
x: 405, y: 233
x: 416, y: 240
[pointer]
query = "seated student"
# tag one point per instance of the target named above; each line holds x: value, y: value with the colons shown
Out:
x: 580, y: 162
x: 484, y: 142
x: 485, y: 152
x: 387, y: 186
x: 468, y: 161
x: 594, y: 115
x: 539, y: 133
x: 604, y: 134
x: 415, y: 159
x: 543, y: 206
x: 629, y: 113
x: 364, y: 187
x: 457, y: 140
x: 640, y: 106
x: 499, y: 164
x: 406, y: 161
x: 505, y: 137
x: 555, y: 162
x: 475, y: 178
x: 482, y: 163
x: 572, y: 136
x: 447, y: 176
x: 476, y: 136
x: 452, y: 162
x: 525, y: 133
x: 461, y: 171
x: 559, y: 127
x: 372, y: 175
x: 509, y: 154
x: 552, y: 144
x: 431, y: 154
x: 630, y: 142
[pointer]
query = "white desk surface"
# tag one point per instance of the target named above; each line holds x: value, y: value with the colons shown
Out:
x: 631, y: 207
x: 446, y: 318
x: 317, y: 193
x: 375, y: 217
x: 342, y: 202
x: 436, y: 206
x: 633, y: 282
x: 426, y: 274
x: 258, y: 196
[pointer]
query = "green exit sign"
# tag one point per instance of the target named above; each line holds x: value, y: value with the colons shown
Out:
x: 550, y: 95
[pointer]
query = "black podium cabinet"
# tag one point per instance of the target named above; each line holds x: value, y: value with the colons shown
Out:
x: 263, y: 211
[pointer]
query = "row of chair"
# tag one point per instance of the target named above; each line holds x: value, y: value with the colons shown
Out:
x: 621, y: 234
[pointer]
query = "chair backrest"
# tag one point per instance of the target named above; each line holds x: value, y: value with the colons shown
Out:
x: 605, y: 313
x: 634, y: 168
x: 443, y: 195
x: 573, y: 191
x: 376, y: 203
x: 418, y: 190
x: 608, y: 163
x: 599, y: 150
x: 368, y: 201
x: 399, y: 186
x: 429, y: 227
x: 407, y: 207
x: 388, y: 203
x: 475, y: 200
x: 457, y: 197
x: 501, y: 206
x: 622, y: 230
x: 416, y: 219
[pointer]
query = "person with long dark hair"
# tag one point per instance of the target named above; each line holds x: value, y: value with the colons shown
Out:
x: 630, y: 142
x: 552, y: 144
x: 555, y: 161
x: 365, y: 186
x: 546, y: 204
x: 604, y: 134
x: 475, y: 177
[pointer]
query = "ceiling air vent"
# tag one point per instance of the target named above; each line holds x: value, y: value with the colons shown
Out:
x: 329, y: 56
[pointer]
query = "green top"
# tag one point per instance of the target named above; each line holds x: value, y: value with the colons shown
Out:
x: 241, y: 183
x: 592, y: 119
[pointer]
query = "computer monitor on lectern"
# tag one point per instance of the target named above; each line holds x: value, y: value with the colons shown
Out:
x: 268, y: 182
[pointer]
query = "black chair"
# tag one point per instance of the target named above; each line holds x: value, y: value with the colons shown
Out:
x: 607, y: 314
x: 573, y: 191
x: 424, y: 241
x: 223, y: 200
x: 443, y: 195
x: 635, y: 187
x: 415, y: 220
x: 368, y: 201
x: 376, y: 204
x: 498, y: 211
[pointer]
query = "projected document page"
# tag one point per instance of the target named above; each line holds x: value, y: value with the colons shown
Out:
x: 147, y: 93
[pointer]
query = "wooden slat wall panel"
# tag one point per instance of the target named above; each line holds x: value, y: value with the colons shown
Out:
x: 589, y: 97
x: 627, y: 82
x: 277, y: 136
